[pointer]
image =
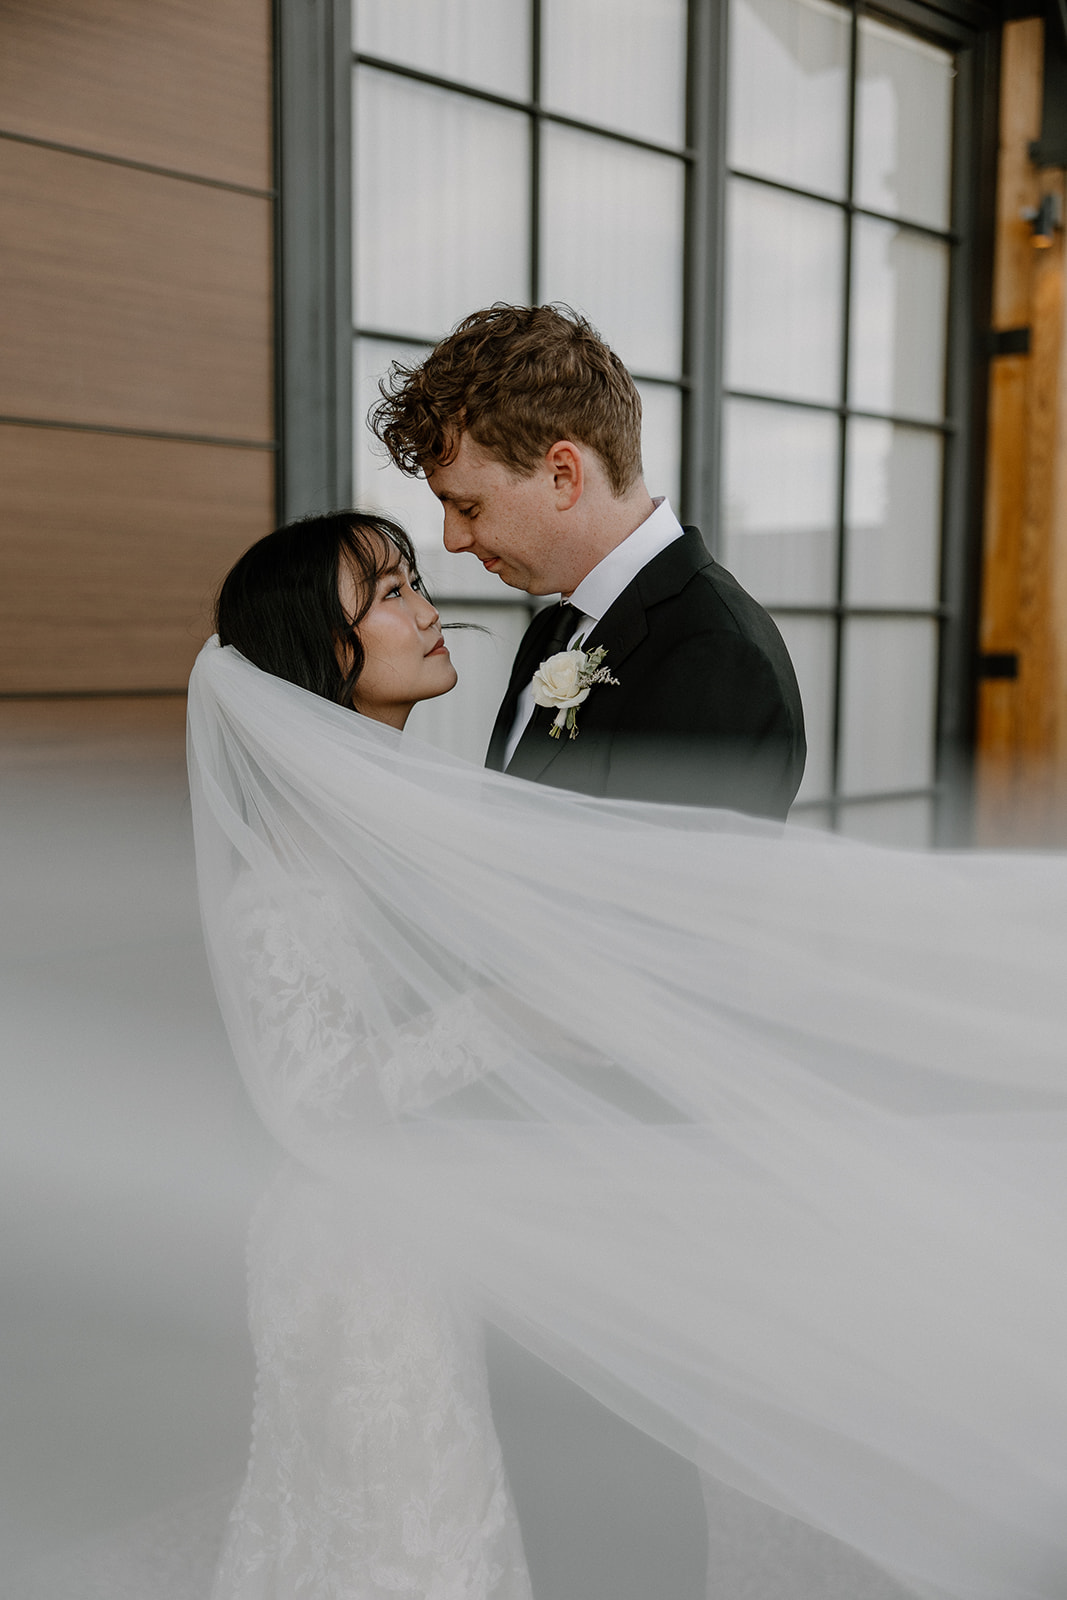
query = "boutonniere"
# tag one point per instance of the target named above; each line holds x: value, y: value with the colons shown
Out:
x: 565, y: 680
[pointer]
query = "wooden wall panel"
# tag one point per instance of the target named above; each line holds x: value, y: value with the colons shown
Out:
x: 112, y: 551
x: 42, y: 733
x: 133, y: 300
x: 174, y: 83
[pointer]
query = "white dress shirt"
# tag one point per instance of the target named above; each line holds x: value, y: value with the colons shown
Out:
x: 600, y: 588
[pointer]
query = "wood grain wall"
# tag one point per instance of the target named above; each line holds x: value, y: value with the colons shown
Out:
x: 1022, y: 720
x: 136, y: 331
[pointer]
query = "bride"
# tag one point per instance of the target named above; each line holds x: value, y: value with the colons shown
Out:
x: 375, y: 1469
x: 755, y: 1136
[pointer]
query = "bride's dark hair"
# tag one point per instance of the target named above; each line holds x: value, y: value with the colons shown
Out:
x: 279, y: 604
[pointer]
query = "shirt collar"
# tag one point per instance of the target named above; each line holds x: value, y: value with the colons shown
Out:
x: 600, y: 588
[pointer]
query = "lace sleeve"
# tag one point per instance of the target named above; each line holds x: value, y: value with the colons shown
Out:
x: 321, y: 1042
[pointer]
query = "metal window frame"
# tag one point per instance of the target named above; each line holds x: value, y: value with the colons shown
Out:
x: 313, y: 256
x: 969, y: 30
x: 316, y: 328
x: 970, y: 310
x: 540, y: 116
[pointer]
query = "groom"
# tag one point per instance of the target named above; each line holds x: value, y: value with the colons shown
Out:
x: 527, y: 428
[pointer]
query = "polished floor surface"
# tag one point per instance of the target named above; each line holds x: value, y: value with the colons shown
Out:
x: 129, y: 1154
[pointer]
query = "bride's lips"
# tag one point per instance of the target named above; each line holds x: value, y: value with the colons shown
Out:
x: 440, y: 648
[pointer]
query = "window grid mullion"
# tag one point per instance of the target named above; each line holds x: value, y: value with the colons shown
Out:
x: 948, y: 426
x: 899, y: 419
x: 841, y: 575
x: 537, y: 35
x: 532, y: 107
x: 800, y: 608
x: 846, y: 204
x: 538, y: 115
x: 870, y: 797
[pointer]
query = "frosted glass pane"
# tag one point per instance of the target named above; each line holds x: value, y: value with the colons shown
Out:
x: 621, y: 64
x: 381, y: 487
x: 482, y: 42
x: 661, y: 440
x: 442, y: 215
x: 889, y: 702
x: 903, y: 125
x: 461, y: 722
x: 378, y: 485
x: 893, y: 515
x: 612, y: 243
x: 780, y: 476
x: 810, y: 642
x: 784, y: 276
x: 788, y: 116
x: 899, y: 320
x: 908, y: 824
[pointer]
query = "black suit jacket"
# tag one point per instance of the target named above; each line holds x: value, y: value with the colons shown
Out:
x: 706, y: 710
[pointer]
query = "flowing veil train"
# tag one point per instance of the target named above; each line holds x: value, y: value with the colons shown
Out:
x: 754, y: 1133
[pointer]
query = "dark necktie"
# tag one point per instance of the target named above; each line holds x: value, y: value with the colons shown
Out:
x: 560, y: 637
x: 558, y: 640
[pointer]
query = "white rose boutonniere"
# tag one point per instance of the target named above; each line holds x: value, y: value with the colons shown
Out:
x: 565, y: 680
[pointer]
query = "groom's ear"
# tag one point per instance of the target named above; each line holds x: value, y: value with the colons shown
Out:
x: 564, y: 462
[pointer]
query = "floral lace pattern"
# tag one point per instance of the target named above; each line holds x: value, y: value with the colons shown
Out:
x: 375, y: 1472
x: 317, y: 1050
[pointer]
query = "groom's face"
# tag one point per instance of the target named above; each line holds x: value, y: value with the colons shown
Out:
x: 511, y: 524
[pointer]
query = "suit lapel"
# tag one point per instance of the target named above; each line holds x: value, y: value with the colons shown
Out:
x: 498, y: 740
x: 527, y: 660
x: 625, y: 623
x: 620, y: 630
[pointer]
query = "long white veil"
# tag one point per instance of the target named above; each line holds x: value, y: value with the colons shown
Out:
x: 755, y: 1133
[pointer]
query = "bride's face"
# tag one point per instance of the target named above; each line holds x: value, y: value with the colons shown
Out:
x: 406, y: 657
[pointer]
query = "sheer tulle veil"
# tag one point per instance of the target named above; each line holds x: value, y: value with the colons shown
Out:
x: 755, y: 1133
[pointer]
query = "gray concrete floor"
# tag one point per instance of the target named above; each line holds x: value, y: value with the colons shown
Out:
x: 129, y: 1156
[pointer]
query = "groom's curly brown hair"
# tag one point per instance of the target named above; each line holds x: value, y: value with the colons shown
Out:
x: 517, y: 379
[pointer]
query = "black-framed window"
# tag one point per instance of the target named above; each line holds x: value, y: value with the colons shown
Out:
x: 531, y: 155
x: 848, y: 168
x: 533, y: 149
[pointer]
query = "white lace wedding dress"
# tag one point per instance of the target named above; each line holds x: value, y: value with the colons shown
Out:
x: 375, y: 1473
x: 757, y: 1137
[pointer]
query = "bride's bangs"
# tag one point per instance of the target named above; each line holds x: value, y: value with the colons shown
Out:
x: 367, y: 545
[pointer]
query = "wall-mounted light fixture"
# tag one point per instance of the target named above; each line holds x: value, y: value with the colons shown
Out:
x: 1044, y: 221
